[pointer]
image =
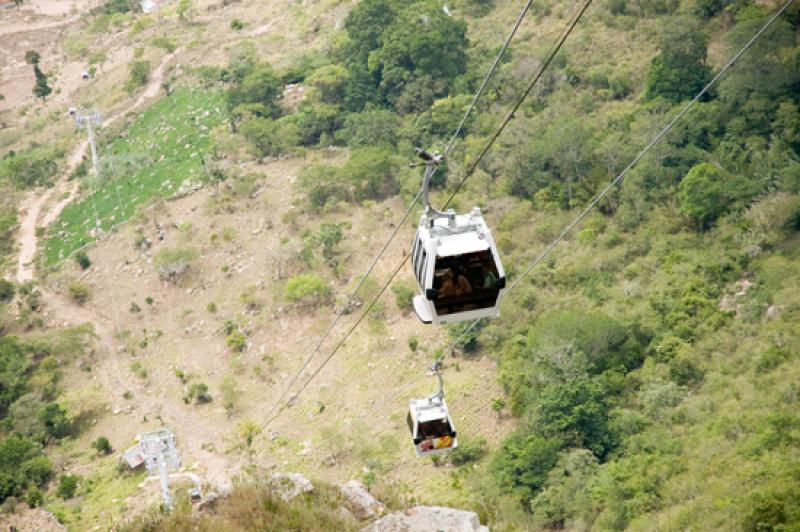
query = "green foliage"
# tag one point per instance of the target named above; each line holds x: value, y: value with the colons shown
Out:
x: 171, y: 263
x: 165, y: 43
x: 111, y: 7
x: 22, y: 466
x: 230, y: 394
x: 41, y: 89
x: 198, y: 392
x: 255, y: 84
x: 139, y: 73
x: 469, y: 450
x: 680, y: 70
x: 269, y: 137
x: 32, y: 57
x: 523, y: 461
x: 55, y: 420
x: 102, y: 445
x: 369, y: 174
x: 181, y: 125
x: 79, y: 292
x: 237, y: 25
x: 702, y: 194
x: 308, y: 289
x: 67, y: 486
x: 372, y: 127
x: 14, y: 365
x: 7, y: 290
x: 327, y: 237
x: 237, y: 340
x: 403, y: 295
x: 82, y: 259
x: 33, y: 167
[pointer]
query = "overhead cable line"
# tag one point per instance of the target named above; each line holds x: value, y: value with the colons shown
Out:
x: 658, y: 138
x: 554, y: 50
x: 341, y: 341
x: 407, y: 212
x: 549, y: 59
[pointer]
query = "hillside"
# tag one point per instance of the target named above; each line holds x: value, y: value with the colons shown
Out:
x: 253, y: 161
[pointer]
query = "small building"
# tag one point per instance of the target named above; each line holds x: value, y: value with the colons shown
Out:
x: 134, y: 457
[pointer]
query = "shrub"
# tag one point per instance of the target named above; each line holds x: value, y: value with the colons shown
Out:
x: 308, y: 289
x: 139, y: 369
x: 468, y: 450
x: 67, y: 485
x: 237, y: 341
x: 403, y: 296
x: 199, y: 393
x: 139, y: 74
x: 79, y: 292
x: 230, y: 394
x: 82, y: 259
x: 102, y: 445
x: 237, y: 25
x: 7, y: 290
x: 173, y: 262
x: 55, y: 420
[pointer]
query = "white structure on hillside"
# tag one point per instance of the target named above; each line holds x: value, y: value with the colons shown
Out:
x: 161, y: 457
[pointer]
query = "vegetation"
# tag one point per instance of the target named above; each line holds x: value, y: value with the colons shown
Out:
x: 307, y: 289
x: 168, y: 133
x: 171, y: 263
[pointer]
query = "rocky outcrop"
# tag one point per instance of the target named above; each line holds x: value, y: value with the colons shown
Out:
x: 360, y: 501
x: 287, y: 486
x: 428, y: 518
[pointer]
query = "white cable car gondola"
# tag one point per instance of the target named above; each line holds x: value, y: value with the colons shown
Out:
x: 429, y: 421
x: 455, y: 261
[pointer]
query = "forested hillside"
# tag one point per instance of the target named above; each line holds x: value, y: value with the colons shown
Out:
x: 650, y: 364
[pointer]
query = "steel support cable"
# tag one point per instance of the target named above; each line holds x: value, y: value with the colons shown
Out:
x: 553, y: 51
x: 549, y: 59
x: 408, y: 211
x: 606, y: 189
x: 658, y: 138
x: 341, y: 342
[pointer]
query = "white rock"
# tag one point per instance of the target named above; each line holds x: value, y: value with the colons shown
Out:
x: 361, y: 501
x: 289, y: 485
x: 427, y: 518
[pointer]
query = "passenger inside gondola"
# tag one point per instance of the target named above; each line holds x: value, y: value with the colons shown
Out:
x: 465, y: 282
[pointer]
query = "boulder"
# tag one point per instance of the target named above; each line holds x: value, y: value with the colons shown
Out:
x: 287, y: 486
x: 360, y: 501
x: 428, y: 518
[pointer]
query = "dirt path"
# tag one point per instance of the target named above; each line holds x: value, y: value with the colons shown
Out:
x: 31, y: 207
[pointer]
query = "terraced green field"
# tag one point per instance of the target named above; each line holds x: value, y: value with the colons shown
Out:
x: 170, y: 139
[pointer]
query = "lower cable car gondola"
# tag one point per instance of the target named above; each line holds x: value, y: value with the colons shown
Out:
x: 455, y: 262
x: 429, y: 421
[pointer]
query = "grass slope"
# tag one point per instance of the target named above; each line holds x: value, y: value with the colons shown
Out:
x: 171, y: 136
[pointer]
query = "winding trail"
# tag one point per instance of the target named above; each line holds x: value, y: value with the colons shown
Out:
x: 30, y: 208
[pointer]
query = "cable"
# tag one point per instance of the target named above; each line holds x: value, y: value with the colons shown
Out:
x: 635, y: 160
x: 553, y: 51
x: 489, y: 74
x: 341, y: 341
x: 406, y: 214
x: 605, y: 190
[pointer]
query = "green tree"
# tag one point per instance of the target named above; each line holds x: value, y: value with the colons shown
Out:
x: 55, y: 420
x: 102, y: 445
x: 269, y: 137
x: 702, y: 195
x: 14, y: 366
x: 139, y: 73
x: 523, y: 461
x: 679, y: 71
x: 67, y: 486
x: 330, y: 82
x: 41, y: 89
x: 421, y: 46
x: 768, y: 69
x: 308, y: 289
x: 372, y: 127
x: 259, y: 85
